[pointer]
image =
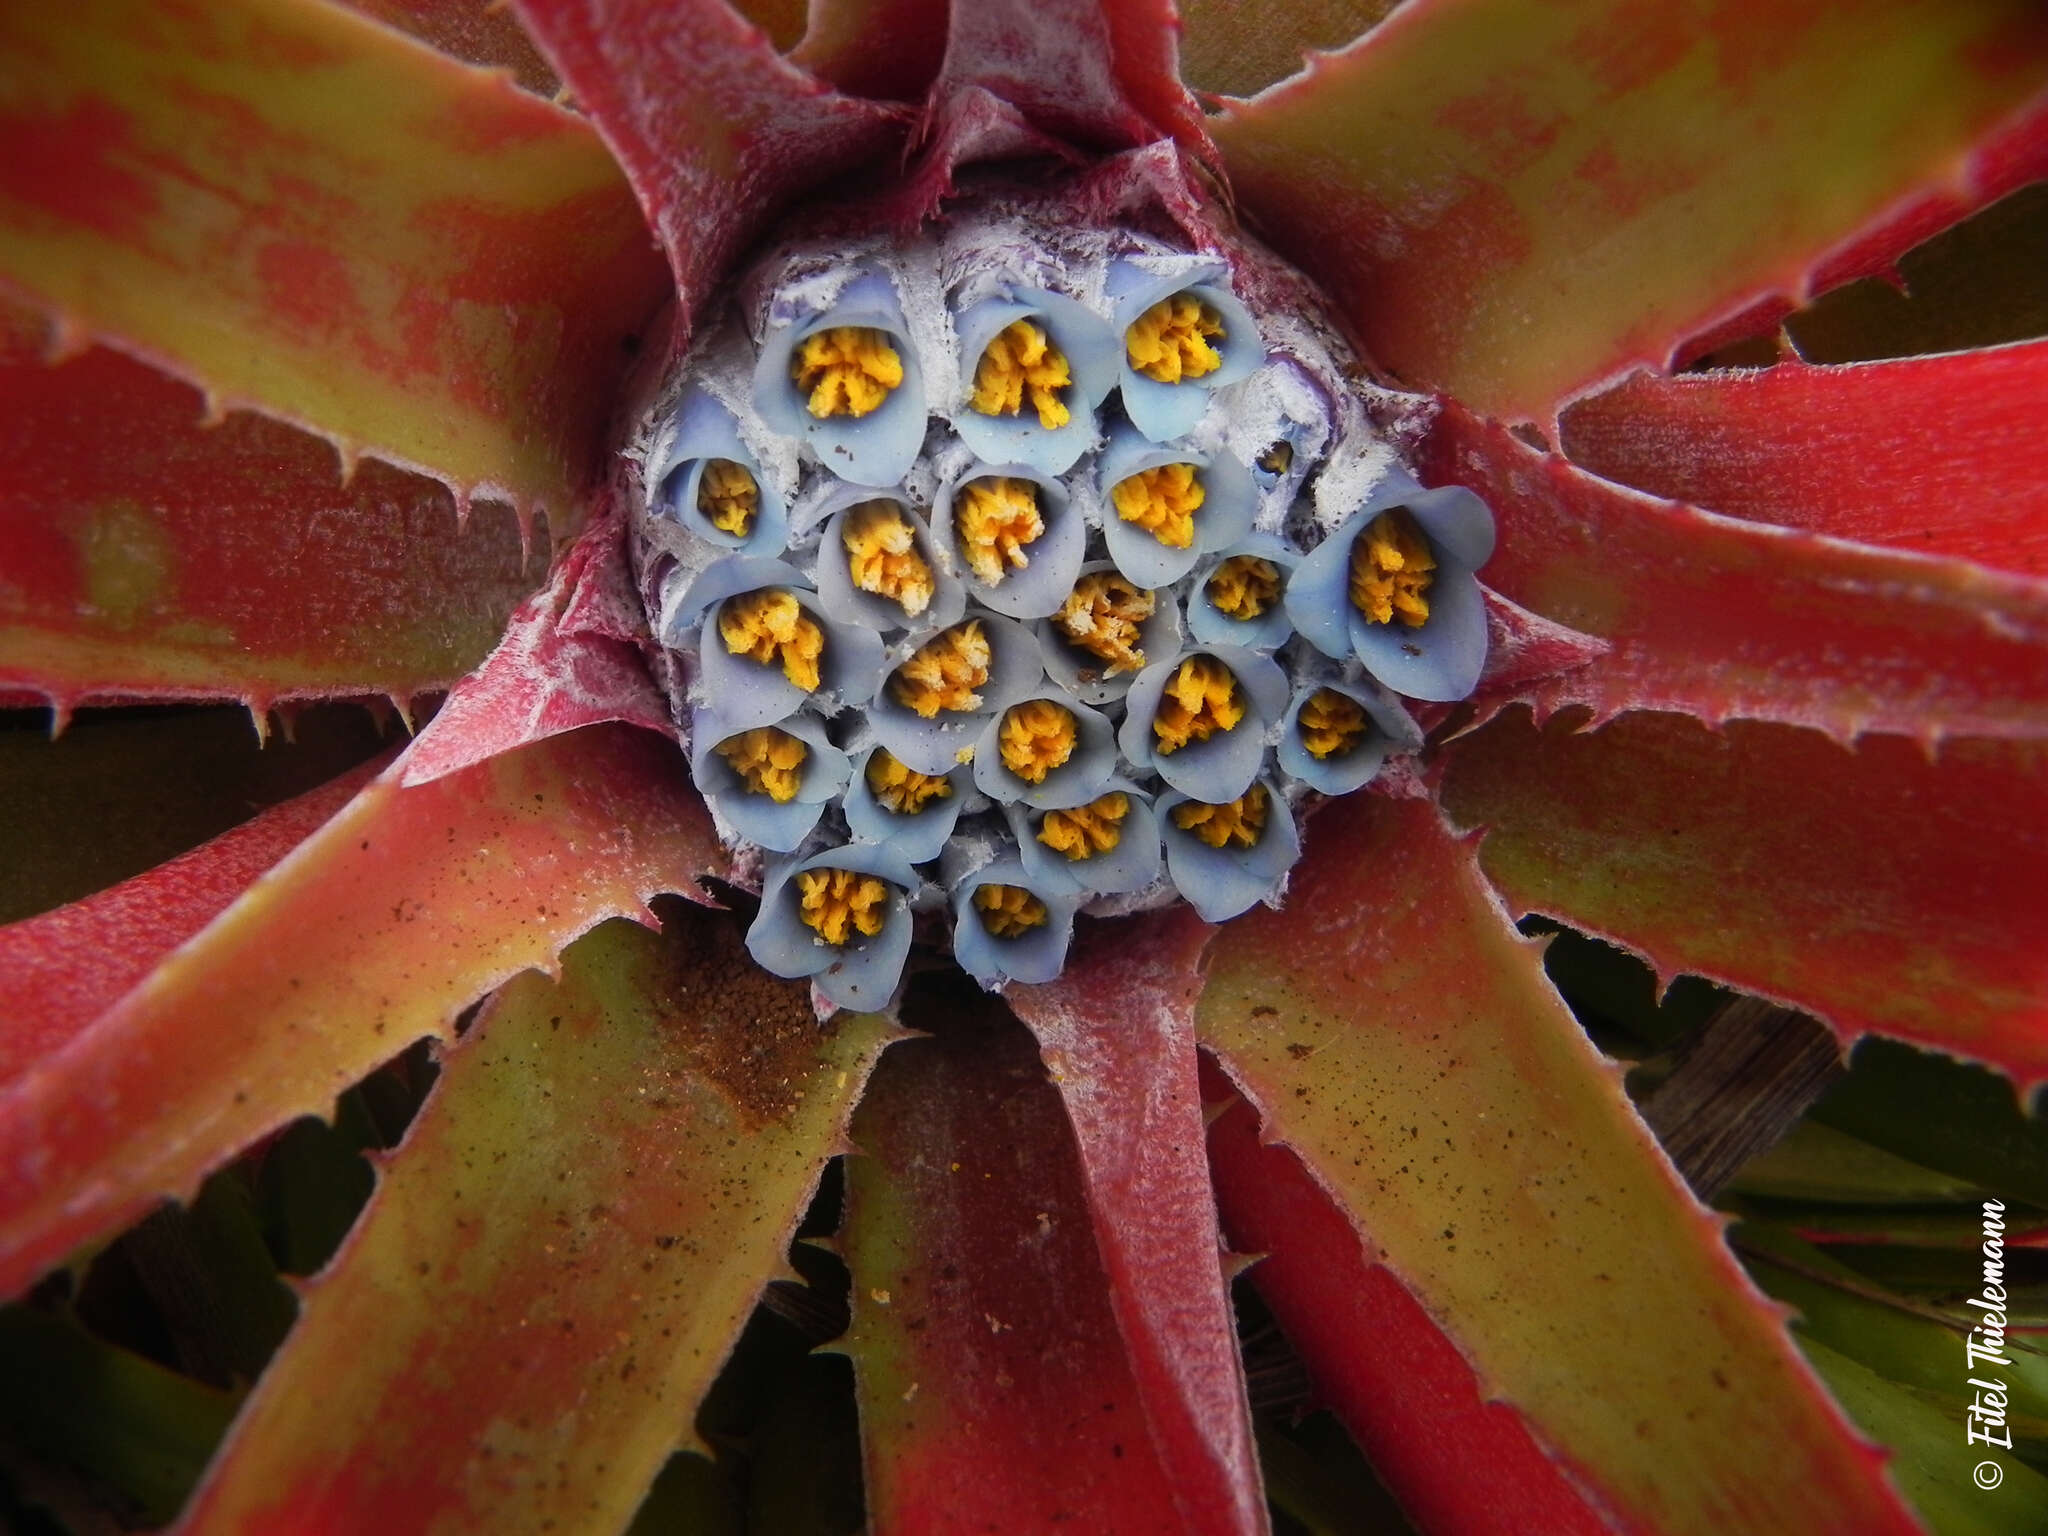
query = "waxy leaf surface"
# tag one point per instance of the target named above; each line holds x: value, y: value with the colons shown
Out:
x: 882, y: 48
x: 1394, y: 1030
x: 713, y: 128
x: 1395, y: 1379
x: 1724, y: 618
x: 1938, y: 455
x: 64, y: 968
x: 403, y: 909
x: 547, y: 1279
x: 145, y: 555
x: 995, y: 1392
x: 1514, y: 202
x: 312, y: 215
x: 1117, y: 1032
x: 1239, y: 47
x: 1869, y: 886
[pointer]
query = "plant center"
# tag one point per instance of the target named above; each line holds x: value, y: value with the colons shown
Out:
x: 882, y: 557
x: 946, y: 672
x: 1170, y: 341
x: 1235, y: 823
x: 1037, y: 737
x: 1163, y: 501
x: 769, y: 626
x: 846, y: 370
x: 1086, y: 830
x: 903, y: 790
x: 1391, y: 570
x: 997, y: 518
x: 1102, y: 616
x: 1022, y: 358
x: 837, y: 903
x: 1201, y: 699
x: 1244, y: 586
x: 728, y: 497
x: 1009, y: 911
x: 768, y: 761
x: 1331, y: 723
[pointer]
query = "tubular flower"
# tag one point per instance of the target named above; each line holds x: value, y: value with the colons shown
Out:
x: 608, y: 395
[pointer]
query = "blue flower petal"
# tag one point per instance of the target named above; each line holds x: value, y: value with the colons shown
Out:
x: 877, y: 449
x: 1392, y: 731
x: 1078, y: 780
x: 1219, y: 883
x: 1229, y: 502
x: 778, y: 826
x: 1440, y: 660
x: 1034, y: 957
x: 700, y: 430
x: 862, y: 974
x: 1054, y: 556
x: 843, y: 601
x: 1092, y: 353
x: 1080, y: 672
x: 917, y: 838
x: 1131, y: 865
x: 1225, y: 765
x: 1209, y: 625
x: 1165, y: 411
x: 743, y: 692
x: 941, y: 743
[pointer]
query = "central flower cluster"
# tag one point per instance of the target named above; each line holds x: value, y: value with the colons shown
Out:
x: 1025, y: 568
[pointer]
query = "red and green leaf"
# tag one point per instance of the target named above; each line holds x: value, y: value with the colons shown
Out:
x: 1117, y: 1033
x: 995, y: 1391
x: 1395, y: 1378
x: 1938, y: 455
x: 1514, y: 203
x: 1393, y: 1029
x: 312, y: 215
x: 560, y: 1254
x: 1723, y: 618
x: 380, y: 929
x: 143, y: 554
x: 1876, y: 887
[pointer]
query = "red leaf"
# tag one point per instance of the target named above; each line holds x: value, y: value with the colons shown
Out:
x: 66, y: 967
x: 1117, y: 1032
x: 995, y: 1392
x: 1725, y: 619
x: 713, y: 128
x: 1939, y: 455
x: 1456, y: 1461
x: 876, y: 48
x: 394, y: 916
x: 143, y: 555
x: 1876, y: 888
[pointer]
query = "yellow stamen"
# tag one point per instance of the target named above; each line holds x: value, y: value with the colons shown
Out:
x: 903, y: 790
x: 945, y: 672
x: 1022, y: 357
x: 1086, y: 830
x: 1170, y: 341
x: 882, y: 557
x: 1239, y: 822
x: 1162, y: 501
x: 1391, y: 568
x: 996, y: 518
x: 1009, y: 910
x: 1244, y: 586
x: 1332, y: 723
x: 837, y: 902
x: 1200, y: 700
x: 770, y: 625
x: 1101, y: 616
x: 1037, y: 737
x: 728, y: 496
x: 846, y: 370
x: 1276, y: 459
x: 767, y: 760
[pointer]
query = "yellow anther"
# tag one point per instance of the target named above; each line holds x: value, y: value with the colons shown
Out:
x: 903, y: 790
x: 1037, y: 737
x: 1244, y: 586
x: 728, y: 496
x: 767, y: 760
x: 945, y: 672
x: 846, y: 370
x: 882, y: 557
x: 837, y: 903
x: 770, y: 625
x: 1086, y: 830
x: 1170, y: 341
x: 1238, y: 822
x: 1276, y: 459
x: 1101, y: 616
x: 1022, y: 358
x: 996, y: 518
x: 1391, y: 570
x: 1332, y: 723
x: 1200, y: 700
x: 1162, y: 501
x: 1008, y: 910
